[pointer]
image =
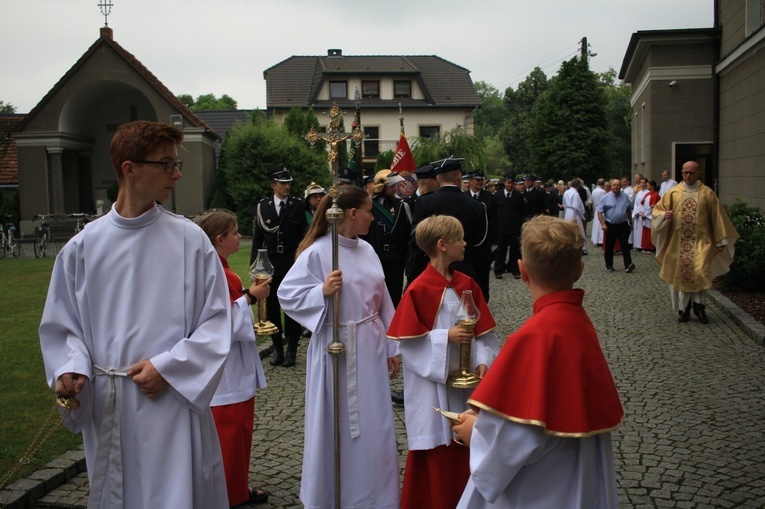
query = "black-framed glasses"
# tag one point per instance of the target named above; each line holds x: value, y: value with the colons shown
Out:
x: 169, y: 166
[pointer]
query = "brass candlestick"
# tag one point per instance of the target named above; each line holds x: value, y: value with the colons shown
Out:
x: 467, y: 317
x: 260, y: 270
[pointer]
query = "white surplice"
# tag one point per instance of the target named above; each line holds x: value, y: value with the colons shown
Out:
x: 597, y: 232
x: 125, y: 290
x: 638, y: 213
x: 666, y: 186
x: 244, y: 371
x: 574, y: 211
x: 369, y: 457
x: 518, y: 466
x: 428, y: 361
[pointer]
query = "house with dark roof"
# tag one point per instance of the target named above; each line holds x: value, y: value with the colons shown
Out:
x: 699, y: 94
x: 9, y: 167
x: 63, y: 143
x: 435, y: 95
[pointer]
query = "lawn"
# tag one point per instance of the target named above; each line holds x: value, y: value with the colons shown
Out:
x: 26, y: 401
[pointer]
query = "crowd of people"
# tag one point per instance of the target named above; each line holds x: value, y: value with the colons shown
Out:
x: 163, y: 361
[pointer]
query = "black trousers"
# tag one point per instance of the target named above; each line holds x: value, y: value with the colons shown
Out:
x: 619, y: 231
x: 508, y: 242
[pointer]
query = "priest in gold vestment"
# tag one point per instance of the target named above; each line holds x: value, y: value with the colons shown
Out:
x: 694, y: 241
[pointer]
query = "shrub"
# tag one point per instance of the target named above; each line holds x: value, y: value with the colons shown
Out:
x: 747, y: 272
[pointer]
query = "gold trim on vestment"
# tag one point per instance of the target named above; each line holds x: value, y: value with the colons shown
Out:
x: 541, y: 424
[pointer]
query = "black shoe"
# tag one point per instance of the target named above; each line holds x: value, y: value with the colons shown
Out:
x: 584, y: 253
x: 609, y: 269
x: 397, y: 397
x: 306, y: 333
x: 277, y: 359
x: 630, y: 268
x: 516, y: 275
x: 498, y: 275
x: 289, y: 360
x: 700, y: 311
x: 684, y: 316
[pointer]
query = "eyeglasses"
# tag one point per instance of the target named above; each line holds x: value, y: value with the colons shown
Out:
x: 169, y: 166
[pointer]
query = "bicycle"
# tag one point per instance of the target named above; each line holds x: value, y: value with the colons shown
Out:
x: 8, y: 239
x: 82, y: 220
x: 43, y: 236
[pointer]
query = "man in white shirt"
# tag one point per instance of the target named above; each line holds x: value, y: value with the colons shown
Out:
x: 667, y: 184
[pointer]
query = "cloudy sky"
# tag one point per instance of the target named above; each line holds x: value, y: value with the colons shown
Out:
x: 223, y: 46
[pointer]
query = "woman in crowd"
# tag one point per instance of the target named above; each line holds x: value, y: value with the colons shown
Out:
x: 650, y: 199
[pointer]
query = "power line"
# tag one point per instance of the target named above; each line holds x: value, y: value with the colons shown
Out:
x: 553, y: 60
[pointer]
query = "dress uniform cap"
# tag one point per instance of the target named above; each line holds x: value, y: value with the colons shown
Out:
x: 477, y: 174
x: 280, y: 175
x: 528, y: 176
x: 347, y: 175
x: 448, y: 164
x: 425, y: 172
x: 314, y: 188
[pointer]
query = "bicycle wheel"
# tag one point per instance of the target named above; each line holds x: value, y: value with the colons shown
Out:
x: 13, y: 245
x: 41, y: 245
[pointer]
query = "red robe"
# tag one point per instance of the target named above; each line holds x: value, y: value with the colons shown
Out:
x: 435, y: 477
x: 552, y: 373
x: 416, y: 313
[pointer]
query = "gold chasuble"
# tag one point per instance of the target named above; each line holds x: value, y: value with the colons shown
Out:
x: 687, y: 245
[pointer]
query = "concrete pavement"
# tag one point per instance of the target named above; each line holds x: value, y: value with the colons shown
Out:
x: 694, y: 398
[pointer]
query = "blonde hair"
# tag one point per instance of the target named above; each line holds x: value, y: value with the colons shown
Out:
x: 434, y: 228
x: 216, y: 222
x: 552, y: 250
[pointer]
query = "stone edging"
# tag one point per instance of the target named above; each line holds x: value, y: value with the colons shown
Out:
x: 753, y: 328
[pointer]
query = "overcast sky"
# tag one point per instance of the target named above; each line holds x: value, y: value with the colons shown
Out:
x: 223, y: 47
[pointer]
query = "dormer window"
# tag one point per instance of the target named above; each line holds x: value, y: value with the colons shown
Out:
x: 338, y: 90
x: 402, y: 89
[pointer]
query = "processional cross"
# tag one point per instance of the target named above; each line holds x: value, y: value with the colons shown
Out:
x: 106, y: 9
x: 334, y: 137
x: 334, y: 216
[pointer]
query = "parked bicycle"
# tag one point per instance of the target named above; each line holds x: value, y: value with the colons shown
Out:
x: 82, y: 220
x: 43, y: 235
x: 9, y: 242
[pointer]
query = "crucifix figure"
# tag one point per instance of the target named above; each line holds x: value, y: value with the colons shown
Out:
x: 334, y: 137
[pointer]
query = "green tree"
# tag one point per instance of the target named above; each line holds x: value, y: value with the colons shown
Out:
x: 250, y: 153
x: 207, y: 102
x: 451, y: 143
x: 7, y: 108
x: 492, y: 114
x: 515, y: 132
x: 619, y: 118
x: 187, y: 100
x: 569, y: 133
x: 296, y: 123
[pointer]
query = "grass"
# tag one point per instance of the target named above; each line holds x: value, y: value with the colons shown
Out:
x: 25, y: 399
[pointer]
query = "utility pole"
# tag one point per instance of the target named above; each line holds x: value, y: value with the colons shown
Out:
x: 584, y: 48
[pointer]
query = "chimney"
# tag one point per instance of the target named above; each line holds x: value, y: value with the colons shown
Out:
x: 334, y: 52
x: 107, y: 33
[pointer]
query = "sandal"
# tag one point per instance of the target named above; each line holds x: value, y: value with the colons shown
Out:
x: 258, y: 496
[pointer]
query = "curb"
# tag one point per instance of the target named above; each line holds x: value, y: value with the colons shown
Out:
x: 753, y: 328
x: 25, y: 493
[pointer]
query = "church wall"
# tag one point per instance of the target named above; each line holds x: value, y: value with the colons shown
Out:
x: 742, y: 132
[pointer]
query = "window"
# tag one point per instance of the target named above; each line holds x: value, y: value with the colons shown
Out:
x: 338, y: 90
x: 372, y: 141
x: 754, y: 14
x: 370, y: 89
x: 429, y: 131
x: 402, y: 89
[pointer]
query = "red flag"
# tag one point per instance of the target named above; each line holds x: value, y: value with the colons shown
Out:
x: 403, y: 161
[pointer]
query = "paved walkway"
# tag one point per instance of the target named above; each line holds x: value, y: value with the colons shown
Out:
x: 694, y: 396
